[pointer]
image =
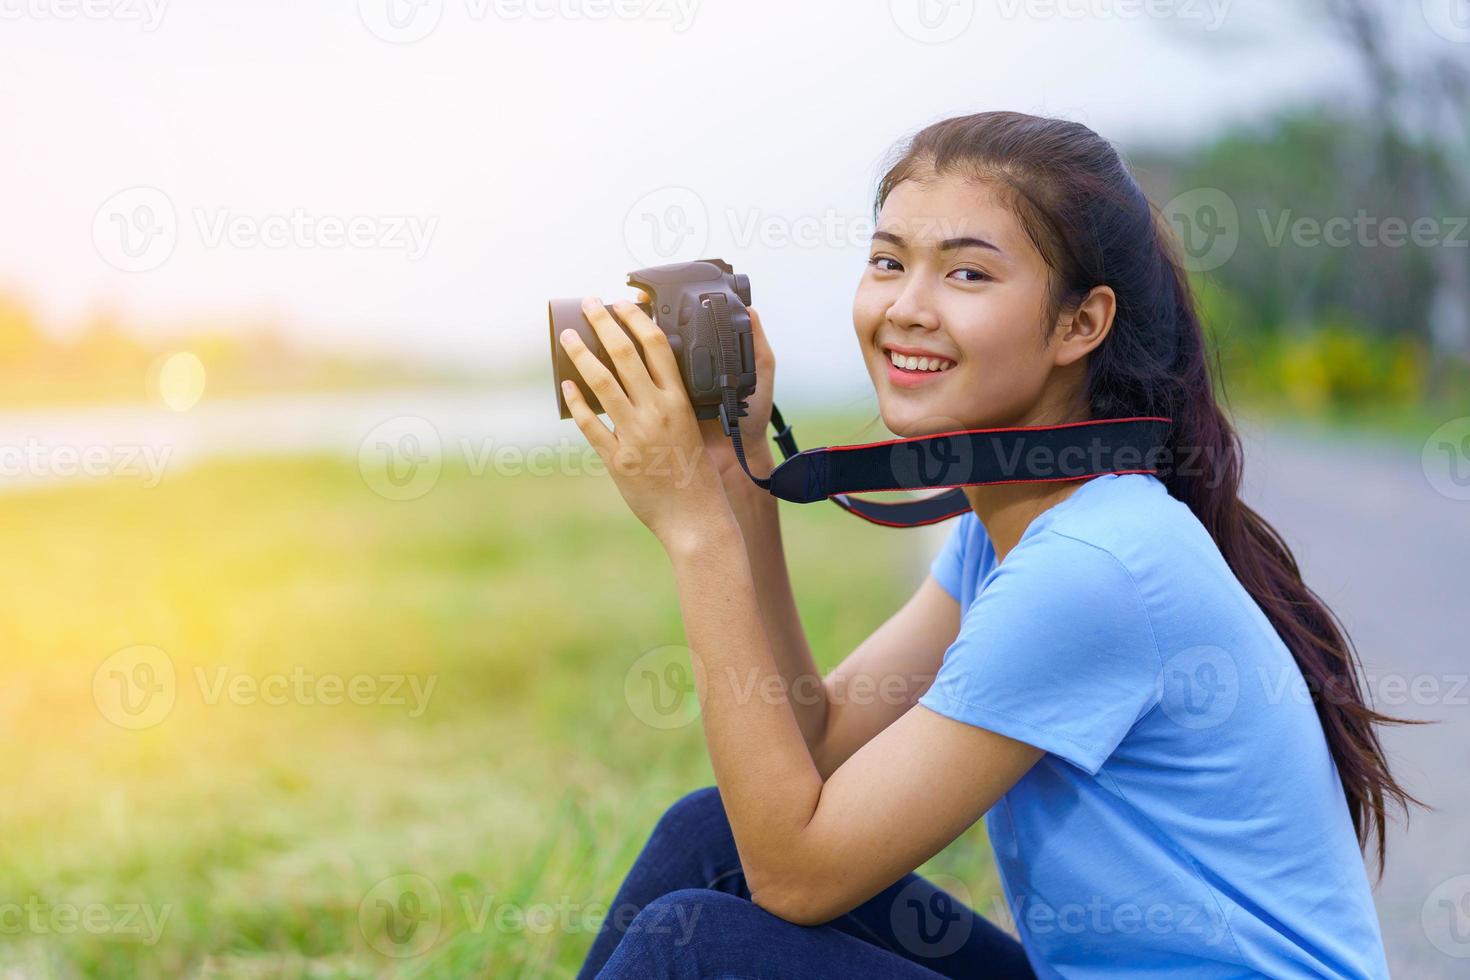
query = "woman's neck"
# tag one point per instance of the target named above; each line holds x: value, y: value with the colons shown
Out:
x: 1007, y: 509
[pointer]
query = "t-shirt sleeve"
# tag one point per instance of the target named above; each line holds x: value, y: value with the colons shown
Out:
x: 948, y: 567
x: 1056, y: 651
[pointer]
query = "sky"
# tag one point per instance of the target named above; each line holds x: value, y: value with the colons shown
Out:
x: 420, y: 176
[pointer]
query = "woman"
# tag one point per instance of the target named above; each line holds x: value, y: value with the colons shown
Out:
x: 1160, y: 722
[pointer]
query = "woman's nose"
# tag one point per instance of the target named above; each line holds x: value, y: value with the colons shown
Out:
x: 913, y: 308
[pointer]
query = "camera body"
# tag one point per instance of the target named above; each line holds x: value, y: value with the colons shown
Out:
x: 694, y: 304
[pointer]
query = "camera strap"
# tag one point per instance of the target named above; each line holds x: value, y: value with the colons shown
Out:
x: 946, y: 460
x: 965, y: 458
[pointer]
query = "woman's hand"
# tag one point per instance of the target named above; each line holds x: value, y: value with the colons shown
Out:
x: 655, y: 450
x: 753, y: 425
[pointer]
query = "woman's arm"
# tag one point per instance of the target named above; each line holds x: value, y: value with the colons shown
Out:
x: 887, y: 674
x: 878, y: 681
x: 758, y: 516
x: 898, y: 800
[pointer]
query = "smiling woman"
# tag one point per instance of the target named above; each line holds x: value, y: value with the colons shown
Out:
x: 1101, y: 660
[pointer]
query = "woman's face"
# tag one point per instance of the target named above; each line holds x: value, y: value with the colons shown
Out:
x: 953, y: 277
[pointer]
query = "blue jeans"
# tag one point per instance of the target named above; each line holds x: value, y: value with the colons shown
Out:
x: 684, y: 911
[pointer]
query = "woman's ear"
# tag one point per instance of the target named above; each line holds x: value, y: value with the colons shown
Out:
x: 1087, y: 326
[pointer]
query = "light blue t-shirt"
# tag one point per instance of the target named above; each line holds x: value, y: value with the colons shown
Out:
x: 1187, y: 818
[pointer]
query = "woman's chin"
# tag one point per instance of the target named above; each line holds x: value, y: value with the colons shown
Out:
x: 906, y: 423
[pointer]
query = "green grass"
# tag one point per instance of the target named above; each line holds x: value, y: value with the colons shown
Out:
x: 526, y: 784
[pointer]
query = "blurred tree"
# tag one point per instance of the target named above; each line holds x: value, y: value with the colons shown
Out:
x: 1356, y: 202
x: 1421, y: 101
x: 20, y: 341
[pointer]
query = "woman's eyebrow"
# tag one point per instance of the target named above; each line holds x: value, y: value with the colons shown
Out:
x: 948, y: 245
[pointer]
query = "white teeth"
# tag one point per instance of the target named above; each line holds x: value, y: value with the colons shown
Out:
x: 910, y: 363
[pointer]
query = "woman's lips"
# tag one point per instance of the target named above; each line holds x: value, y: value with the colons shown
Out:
x: 902, y: 378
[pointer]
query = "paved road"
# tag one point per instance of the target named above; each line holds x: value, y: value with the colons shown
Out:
x: 1391, y: 556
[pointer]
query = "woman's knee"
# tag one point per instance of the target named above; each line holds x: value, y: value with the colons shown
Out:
x: 697, y: 815
x: 690, y: 929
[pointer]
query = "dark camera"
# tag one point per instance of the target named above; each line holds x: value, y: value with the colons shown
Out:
x: 701, y: 307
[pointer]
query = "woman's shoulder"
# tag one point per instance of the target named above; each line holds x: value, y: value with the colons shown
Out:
x: 1132, y: 516
x: 1153, y: 536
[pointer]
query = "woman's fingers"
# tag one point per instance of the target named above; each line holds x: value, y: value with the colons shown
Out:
x: 763, y: 352
x: 619, y: 346
x: 609, y: 393
x: 598, y: 435
x: 655, y: 343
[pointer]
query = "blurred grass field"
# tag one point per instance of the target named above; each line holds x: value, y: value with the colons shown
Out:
x: 237, y: 837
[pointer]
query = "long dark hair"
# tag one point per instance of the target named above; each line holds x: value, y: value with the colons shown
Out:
x: 1093, y: 225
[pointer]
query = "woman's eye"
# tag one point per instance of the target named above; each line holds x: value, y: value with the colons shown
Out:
x: 875, y: 260
x: 976, y: 273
